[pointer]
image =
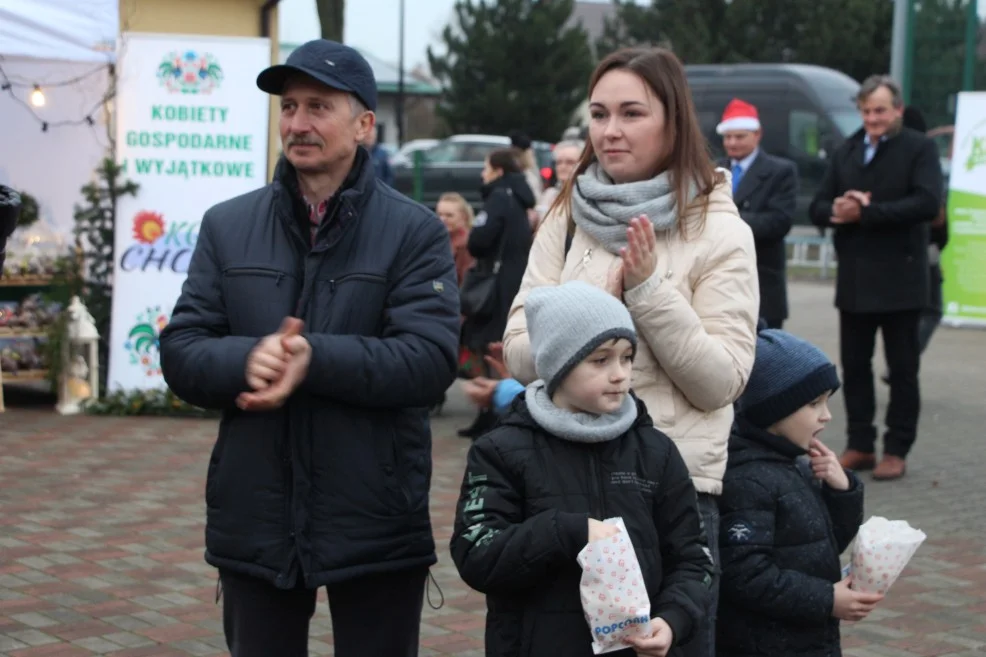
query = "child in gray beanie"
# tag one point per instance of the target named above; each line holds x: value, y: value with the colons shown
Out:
x: 577, y: 447
x: 788, y: 511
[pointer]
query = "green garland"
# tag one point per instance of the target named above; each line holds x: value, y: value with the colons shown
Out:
x: 94, y: 231
x: 145, y: 402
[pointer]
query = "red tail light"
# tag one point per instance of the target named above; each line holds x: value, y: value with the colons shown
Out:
x: 546, y: 173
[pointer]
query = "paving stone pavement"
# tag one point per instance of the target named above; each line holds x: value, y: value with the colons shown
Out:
x: 101, y: 526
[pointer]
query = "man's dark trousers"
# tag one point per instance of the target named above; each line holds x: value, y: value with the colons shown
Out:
x: 374, y: 616
x: 903, y: 353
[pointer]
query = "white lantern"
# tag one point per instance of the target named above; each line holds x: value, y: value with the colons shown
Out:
x: 80, y: 360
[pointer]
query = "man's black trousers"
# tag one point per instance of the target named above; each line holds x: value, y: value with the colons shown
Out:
x: 375, y: 616
x: 903, y: 354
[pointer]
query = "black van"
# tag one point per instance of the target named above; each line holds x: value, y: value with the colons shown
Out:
x: 805, y: 112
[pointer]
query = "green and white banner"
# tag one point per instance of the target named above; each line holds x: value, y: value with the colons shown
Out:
x: 964, y: 259
x: 191, y: 131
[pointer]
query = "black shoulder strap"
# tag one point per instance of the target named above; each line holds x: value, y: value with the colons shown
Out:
x: 568, y: 243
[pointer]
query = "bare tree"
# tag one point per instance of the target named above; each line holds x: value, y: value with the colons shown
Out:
x: 331, y: 15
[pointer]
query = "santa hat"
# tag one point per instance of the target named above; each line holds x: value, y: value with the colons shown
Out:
x: 739, y: 115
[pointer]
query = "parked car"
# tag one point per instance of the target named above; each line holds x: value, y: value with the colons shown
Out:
x: 404, y: 156
x: 455, y: 165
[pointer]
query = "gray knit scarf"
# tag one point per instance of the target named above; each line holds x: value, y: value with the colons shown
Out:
x: 603, y: 209
x: 578, y: 427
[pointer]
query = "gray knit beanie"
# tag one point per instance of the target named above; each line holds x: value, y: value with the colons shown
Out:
x: 568, y: 322
x: 788, y: 373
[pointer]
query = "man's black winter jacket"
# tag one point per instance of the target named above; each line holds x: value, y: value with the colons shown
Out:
x: 523, y: 517
x: 336, y: 481
x: 781, y: 534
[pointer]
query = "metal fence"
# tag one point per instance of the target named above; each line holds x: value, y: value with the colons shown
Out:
x: 810, y: 254
x: 945, y: 53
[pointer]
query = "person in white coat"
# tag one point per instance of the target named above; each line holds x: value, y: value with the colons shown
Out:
x: 648, y: 217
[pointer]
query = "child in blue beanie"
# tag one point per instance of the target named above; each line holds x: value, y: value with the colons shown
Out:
x: 788, y: 512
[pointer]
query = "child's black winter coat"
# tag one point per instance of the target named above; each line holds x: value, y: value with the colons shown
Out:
x: 523, y: 517
x: 781, y: 535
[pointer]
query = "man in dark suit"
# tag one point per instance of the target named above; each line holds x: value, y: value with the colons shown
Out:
x: 881, y: 191
x: 765, y: 189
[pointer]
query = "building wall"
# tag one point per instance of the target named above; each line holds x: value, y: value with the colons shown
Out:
x: 387, y: 119
x: 218, y: 17
x: 420, y: 121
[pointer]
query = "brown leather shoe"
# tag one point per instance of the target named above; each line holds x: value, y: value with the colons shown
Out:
x: 853, y: 459
x: 890, y: 468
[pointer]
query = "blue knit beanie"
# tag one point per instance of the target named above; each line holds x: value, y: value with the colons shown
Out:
x: 787, y: 374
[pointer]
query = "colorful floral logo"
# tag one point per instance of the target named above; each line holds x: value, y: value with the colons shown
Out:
x: 159, y: 244
x: 144, y: 340
x: 148, y: 226
x: 189, y: 72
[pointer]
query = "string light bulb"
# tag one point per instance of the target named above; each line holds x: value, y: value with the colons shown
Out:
x: 37, y: 97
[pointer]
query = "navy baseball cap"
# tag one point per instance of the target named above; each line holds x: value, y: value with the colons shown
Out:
x: 333, y: 64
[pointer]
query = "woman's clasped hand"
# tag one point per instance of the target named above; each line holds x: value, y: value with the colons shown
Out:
x: 639, y: 257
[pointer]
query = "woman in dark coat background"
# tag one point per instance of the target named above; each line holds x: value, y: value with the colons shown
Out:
x: 502, y: 224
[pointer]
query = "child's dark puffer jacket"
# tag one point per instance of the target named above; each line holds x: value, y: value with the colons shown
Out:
x: 523, y: 517
x: 781, y: 534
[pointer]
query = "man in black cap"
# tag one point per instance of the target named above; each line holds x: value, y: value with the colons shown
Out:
x: 321, y: 315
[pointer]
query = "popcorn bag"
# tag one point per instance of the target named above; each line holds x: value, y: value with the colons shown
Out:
x: 614, y: 597
x: 883, y: 548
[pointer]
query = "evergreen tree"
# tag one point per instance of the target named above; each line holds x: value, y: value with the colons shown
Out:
x: 512, y: 65
x: 631, y: 25
x: 94, y: 223
x: 694, y: 29
x: 852, y: 36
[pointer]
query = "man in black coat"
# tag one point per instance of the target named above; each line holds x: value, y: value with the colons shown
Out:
x: 10, y: 209
x: 321, y: 471
x: 882, y: 189
x: 765, y: 190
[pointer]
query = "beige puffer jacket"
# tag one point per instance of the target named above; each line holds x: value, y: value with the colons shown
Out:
x: 696, y: 318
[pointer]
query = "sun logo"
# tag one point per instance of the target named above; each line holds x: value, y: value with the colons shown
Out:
x: 148, y: 226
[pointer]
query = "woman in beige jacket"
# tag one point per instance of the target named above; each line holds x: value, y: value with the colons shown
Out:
x: 649, y: 218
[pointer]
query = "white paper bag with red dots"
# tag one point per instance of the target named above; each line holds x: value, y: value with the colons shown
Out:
x: 614, y: 597
x: 883, y: 548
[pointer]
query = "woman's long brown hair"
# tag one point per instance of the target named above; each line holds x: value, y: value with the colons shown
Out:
x: 688, y: 159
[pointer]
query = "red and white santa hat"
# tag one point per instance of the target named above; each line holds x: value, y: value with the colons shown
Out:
x: 739, y: 115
